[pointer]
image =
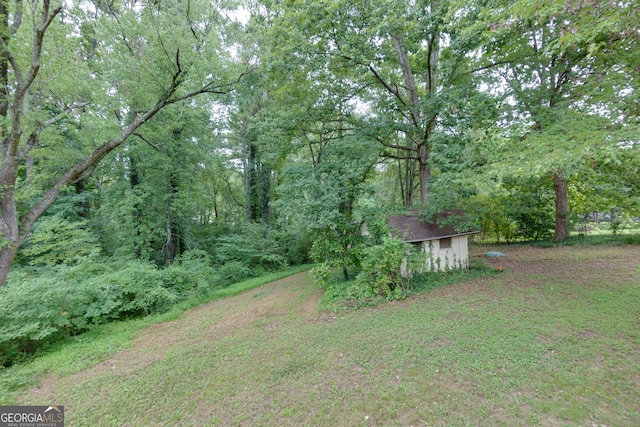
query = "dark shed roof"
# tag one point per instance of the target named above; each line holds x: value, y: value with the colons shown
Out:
x: 412, y: 229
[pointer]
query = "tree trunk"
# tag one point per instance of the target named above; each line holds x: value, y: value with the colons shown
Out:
x: 8, y: 234
x: 265, y: 188
x: 250, y: 183
x: 562, y: 206
x: 409, y: 176
x: 257, y: 180
x: 8, y: 217
x: 136, y: 211
x: 425, y: 173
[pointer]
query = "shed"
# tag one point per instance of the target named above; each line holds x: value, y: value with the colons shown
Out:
x: 443, y: 246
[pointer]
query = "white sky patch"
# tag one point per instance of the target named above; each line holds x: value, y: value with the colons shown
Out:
x: 360, y: 106
x: 219, y: 112
x: 241, y: 14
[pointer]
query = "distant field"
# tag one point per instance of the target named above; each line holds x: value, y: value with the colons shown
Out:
x: 553, y: 340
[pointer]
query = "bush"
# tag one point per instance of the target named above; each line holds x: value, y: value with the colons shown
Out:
x: 490, y: 214
x: 320, y: 274
x: 141, y: 289
x: 233, y: 272
x: 531, y: 205
x: 41, y: 306
x: 192, y: 274
x: 55, y: 240
x: 387, y: 268
x: 254, y: 247
x: 35, y: 311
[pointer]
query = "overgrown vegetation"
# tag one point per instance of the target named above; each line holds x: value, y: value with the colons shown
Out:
x: 153, y: 153
x: 61, y: 293
x: 66, y: 356
x: 552, y: 340
x: 524, y: 214
x: 357, y: 293
x: 391, y: 270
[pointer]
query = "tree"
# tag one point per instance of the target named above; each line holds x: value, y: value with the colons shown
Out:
x: 102, y: 70
x: 324, y: 196
x: 558, y: 73
x: 402, y: 62
x: 149, y: 206
x: 251, y: 100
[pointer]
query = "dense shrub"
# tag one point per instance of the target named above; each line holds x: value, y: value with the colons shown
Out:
x: 65, y: 286
x: 234, y: 271
x: 519, y: 209
x: 531, y: 205
x: 254, y: 247
x: 491, y: 215
x: 38, y: 307
x: 55, y: 240
x: 386, y: 268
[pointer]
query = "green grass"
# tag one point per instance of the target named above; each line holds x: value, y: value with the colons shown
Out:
x: 101, y: 341
x: 552, y: 340
x: 630, y: 238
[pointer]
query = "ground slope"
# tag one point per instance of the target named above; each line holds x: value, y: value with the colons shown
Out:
x: 553, y: 340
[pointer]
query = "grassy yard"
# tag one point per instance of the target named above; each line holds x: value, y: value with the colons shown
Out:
x: 553, y: 340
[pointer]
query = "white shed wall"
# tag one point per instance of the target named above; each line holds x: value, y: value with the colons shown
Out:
x: 457, y: 257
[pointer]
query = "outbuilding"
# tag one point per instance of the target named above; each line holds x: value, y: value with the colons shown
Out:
x: 443, y: 246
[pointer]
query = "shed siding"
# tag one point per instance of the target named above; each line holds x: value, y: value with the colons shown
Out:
x: 447, y: 259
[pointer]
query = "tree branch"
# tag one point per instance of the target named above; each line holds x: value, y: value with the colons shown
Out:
x: 493, y: 65
x: 23, y: 86
x: 81, y: 169
x: 219, y: 89
x: 396, y: 146
x: 32, y: 139
x: 386, y: 85
x: 85, y: 167
x: 388, y: 155
x: 155, y: 147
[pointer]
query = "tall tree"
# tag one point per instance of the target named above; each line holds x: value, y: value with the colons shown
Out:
x: 106, y: 68
x: 402, y: 62
x: 558, y: 77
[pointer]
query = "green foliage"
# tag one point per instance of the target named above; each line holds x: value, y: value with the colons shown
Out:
x: 387, y: 268
x: 320, y: 274
x: 491, y: 216
x: 322, y: 194
x: 234, y: 271
x: 515, y: 349
x: 340, y: 246
x: 530, y: 205
x: 68, y: 356
x: 255, y: 246
x: 517, y: 209
x: 39, y: 307
x: 364, y: 292
x: 55, y: 240
x: 191, y: 274
x: 140, y: 289
x: 607, y: 239
x: 295, y: 244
